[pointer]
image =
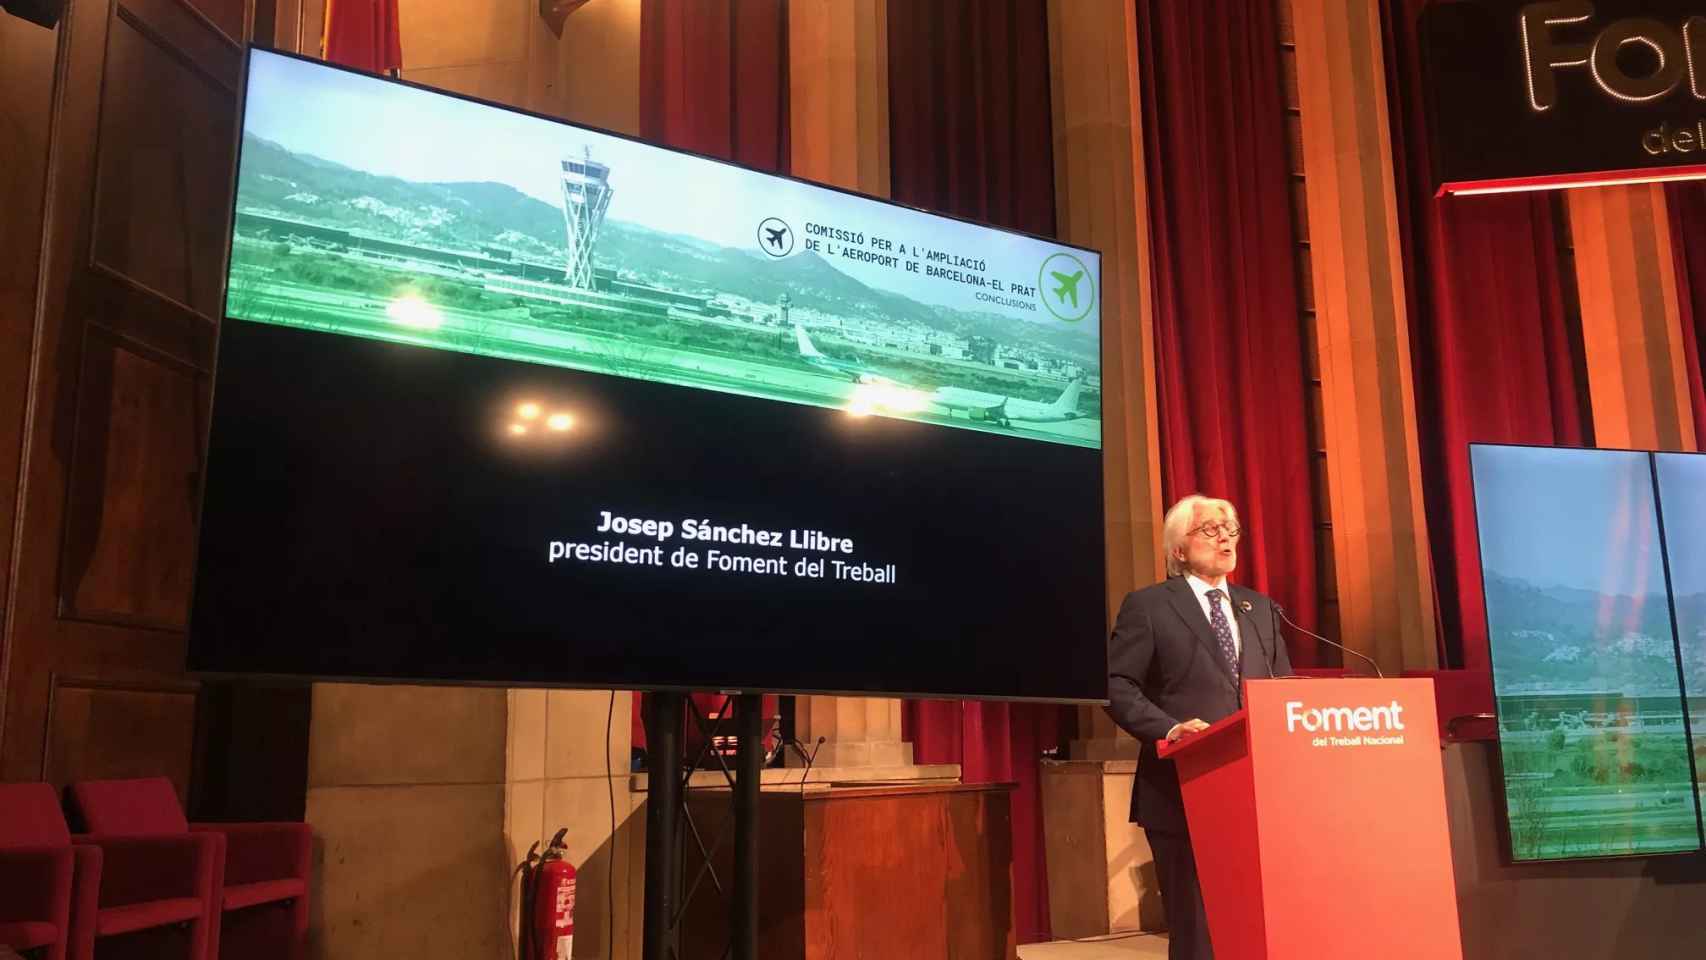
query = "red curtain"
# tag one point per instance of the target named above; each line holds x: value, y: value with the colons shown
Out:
x: 971, y: 135
x: 1687, y: 203
x: 363, y: 34
x: 1230, y: 372
x: 714, y: 78
x: 1493, y: 350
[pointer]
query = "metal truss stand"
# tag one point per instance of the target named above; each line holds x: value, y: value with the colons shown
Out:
x: 669, y: 823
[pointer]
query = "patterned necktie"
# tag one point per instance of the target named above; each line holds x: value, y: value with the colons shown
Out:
x: 1222, y: 632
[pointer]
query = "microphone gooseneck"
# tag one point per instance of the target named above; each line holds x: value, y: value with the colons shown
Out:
x: 1280, y: 612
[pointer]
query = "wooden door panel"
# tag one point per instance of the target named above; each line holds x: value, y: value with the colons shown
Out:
x: 134, y: 227
x: 130, y: 512
x: 166, y: 146
x: 188, y: 26
x: 26, y: 76
x: 226, y: 15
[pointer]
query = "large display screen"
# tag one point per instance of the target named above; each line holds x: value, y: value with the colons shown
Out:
x: 1595, y: 581
x: 504, y: 399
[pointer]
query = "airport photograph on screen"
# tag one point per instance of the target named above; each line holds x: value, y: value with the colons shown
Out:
x: 499, y: 398
x: 1589, y: 685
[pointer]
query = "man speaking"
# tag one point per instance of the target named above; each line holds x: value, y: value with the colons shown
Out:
x: 1178, y: 654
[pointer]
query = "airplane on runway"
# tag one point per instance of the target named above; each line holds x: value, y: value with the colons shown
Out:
x: 857, y: 372
x: 1006, y: 411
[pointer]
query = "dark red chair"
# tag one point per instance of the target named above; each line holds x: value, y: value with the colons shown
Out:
x: 262, y: 896
x: 37, y: 865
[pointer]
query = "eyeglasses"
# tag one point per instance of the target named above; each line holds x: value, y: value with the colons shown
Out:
x: 1213, y: 530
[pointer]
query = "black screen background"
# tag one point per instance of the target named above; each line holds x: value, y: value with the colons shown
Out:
x: 365, y: 516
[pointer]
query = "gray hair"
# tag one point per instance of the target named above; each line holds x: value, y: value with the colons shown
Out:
x: 1177, y: 524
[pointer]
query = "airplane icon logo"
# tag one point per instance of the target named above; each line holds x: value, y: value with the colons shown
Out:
x: 1068, y: 287
x: 1068, y: 297
x: 775, y: 237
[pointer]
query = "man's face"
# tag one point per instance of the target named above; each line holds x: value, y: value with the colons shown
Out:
x: 1210, y: 549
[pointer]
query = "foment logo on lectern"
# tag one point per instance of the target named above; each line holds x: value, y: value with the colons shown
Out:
x: 1343, y: 719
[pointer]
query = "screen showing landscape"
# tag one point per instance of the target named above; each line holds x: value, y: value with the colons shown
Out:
x: 504, y: 399
x: 1595, y: 587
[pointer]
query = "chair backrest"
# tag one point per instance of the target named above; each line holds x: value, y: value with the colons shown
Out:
x: 147, y: 806
x: 30, y: 816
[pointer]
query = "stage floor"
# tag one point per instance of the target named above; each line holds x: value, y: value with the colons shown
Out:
x: 1119, y: 946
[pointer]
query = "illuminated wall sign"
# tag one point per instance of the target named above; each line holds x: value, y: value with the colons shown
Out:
x: 1525, y: 95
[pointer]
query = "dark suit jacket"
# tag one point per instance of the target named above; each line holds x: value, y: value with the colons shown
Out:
x: 1165, y: 667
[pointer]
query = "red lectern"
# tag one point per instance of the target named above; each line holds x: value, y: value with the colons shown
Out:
x: 1317, y: 814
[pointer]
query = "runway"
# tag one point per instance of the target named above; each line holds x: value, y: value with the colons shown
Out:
x: 316, y: 308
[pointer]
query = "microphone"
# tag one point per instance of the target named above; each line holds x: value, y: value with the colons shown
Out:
x: 1280, y: 612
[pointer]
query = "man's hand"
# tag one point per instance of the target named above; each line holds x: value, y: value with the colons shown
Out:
x: 1181, y: 729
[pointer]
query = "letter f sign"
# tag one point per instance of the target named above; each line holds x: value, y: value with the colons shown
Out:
x: 1542, y: 54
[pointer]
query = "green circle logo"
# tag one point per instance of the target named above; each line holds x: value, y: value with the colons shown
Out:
x: 1064, y: 284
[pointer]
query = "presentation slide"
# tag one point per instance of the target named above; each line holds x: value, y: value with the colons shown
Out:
x: 396, y: 213
x: 1590, y: 701
x: 503, y: 399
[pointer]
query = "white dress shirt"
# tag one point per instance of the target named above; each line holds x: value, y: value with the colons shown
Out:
x: 1201, y: 588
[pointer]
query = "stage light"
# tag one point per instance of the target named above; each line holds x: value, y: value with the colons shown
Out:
x: 527, y: 411
x: 518, y: 429
x: 1538, y: 183
x: 560, y: 421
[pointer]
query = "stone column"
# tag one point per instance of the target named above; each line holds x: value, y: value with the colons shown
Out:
x: 1385, y: 581
x: 407, y: 799
x: 1101, y: 871
x: 838, y: 103
x: 423, y: 799
x: 1631, y: 321
x: 1102, y: 201
x: 838, y: 93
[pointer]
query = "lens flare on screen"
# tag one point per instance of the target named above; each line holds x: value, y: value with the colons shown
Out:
x: 409, y: 310
x: 886, y: 398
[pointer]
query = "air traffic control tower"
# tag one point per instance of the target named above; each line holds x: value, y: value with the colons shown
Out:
x: 586, y: 195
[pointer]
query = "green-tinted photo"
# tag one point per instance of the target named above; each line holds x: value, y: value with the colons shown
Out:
x: 1592, y: 736
x: 372, y: 209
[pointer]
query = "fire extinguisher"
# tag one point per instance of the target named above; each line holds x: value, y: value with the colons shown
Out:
x: 548, y: 902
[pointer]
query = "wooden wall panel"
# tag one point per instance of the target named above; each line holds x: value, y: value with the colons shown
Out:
x: 918, y: 870
x: 978, y: 854
x: 103, y: 729
x: 130, y: 519
x: 861, y: 897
